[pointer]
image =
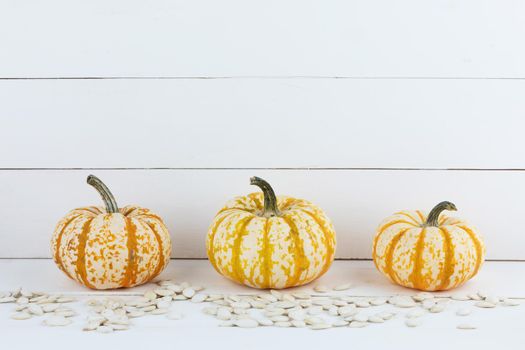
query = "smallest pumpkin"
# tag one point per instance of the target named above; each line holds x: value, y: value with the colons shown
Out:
x: 427, y: 252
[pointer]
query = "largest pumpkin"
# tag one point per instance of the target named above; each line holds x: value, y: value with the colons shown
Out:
x: 105, y: 248
x: 264, y: 241
x: 433, y: 252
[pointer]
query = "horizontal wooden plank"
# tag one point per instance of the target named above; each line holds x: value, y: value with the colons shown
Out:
x: 63, y: 38
x: 34, y: 200
x: 246, y: 123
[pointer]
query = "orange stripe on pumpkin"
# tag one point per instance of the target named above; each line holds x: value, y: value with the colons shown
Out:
x: 58, y: 255
x: 389, y: 256
x: 478, y: 247
x: 211, y: 248
x: 449, y: 262
x: 415, y: 277
x: 404, y: 213
x: 240, y: 232
x: 300, y: 261
x: 162, y: 258
x: 130, y: 276
x: 266, y: 268
x: 81, y: 268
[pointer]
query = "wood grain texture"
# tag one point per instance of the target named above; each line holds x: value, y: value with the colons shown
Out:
x: 356, y: 201
x: 223, y: 123
x: 406, y: 38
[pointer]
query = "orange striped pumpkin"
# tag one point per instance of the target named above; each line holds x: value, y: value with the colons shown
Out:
x: 264, y: 241
x: 104, y: 248
x: 427, y: 252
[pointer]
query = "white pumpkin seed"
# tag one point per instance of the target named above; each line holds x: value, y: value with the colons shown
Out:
x: 298, y: 323
x: 150, y: 295
x: 136, y: 313
x: 283, y: 324
x: 484, y: 304
x: 402, y: 301
x: 163, y: 292
x: 104, y: 329
x: 297, y: 315
x: 312, y: 320
x: 21, y: 316
x: 333, y: 310
x: 22, y: 300
x: 344, y: 286
x: 493, y: 300
x: 413, y: 322
x: 57, y: 321
x: 270, y: 312
x: 459, y: 297
x: 175, y: 288
x: 197, y: 288
x: 276, y: 294
x: 463, y: 311
x: 427, y: 304
x: 163, y: 304
x: 415, y: 313
x: 301, y: 295
x: 7, y: 299
x: 378, y: 301
x: 362, y: 303
x: 357, y: 324
x: 466, y: 326
x: 340, y: 323
x: 224, y: 314
x: 246, y: 323
x: 35, y: 309
x: 198, y: 298
x: 349, y: 310
x: 320, y: 326
x: 283, y: 304
x: 385, y: 315
x: 315, y: 310
x: 360, y: 318
x: 265, y: 322
x: 65, y: 300
x: 188, y: 292
x: 269, y: 297
x: 65, y: 313
x: 437, y: 308
x: 375, y: 319
x: 50, y: 307
x: 511, y: 302
x: 159, y: 312
x: 280, y: 318
x: 149, y: 308
x: 482, y: 294
x: 321, y: 289
x: 183, y: 297
x: 91, y: 326
x: 474, y: 297
x: 210, y: 310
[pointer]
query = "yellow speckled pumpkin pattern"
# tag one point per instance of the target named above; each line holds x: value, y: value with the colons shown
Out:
x: 415, y: 254
x: 289, y: 249
x: 104, y: 250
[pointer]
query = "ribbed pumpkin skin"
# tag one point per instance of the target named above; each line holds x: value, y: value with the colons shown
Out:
x: 427, y: 258
x: 111, y: 250
x: 277, y: 252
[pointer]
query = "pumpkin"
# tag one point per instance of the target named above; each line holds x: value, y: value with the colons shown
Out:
x: 427, y: 252
x: 105, y: 248
x: 264, y: 241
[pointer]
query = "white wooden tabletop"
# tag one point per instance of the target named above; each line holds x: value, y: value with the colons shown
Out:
x: 501, y: 326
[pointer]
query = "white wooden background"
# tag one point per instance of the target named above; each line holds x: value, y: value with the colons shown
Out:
x: 365, y: 107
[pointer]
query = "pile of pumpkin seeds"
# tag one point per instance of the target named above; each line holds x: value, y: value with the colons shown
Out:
x: 323, y: 308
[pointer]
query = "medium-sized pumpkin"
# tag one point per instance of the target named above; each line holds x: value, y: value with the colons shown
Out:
x: 264, y: 241
x: 427, y: 252
x: 105, y: 248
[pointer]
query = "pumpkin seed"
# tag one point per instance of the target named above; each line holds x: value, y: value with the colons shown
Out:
x: 65, y: 300
x: 223, y: 314
x: 57, y: 321
x: 375, y: 319
x: 385, y: 315
x: 511, y: 302
x: 437, y: 308
x: 312, y: 320
x: 349, y: 310
x: 362, y: 303
x: 35, y: 309
x: 188, y: 292
x: 339, y: 323
x: 276, y: 294
x: 136, y: 313
x: 163, y: 292
x: 22, y: 300
x: 297, y: 315
x: 283, y: 324
x: 466, y: 326
x: 65, y: 313
x: 427, y: 304
x: 246, y: 323
x: 104, y: 329
x: 474, y: 297
x: 378, y: 301
x: 159, y: 311
x: 198, y: 298
x: 333, y: 310
x: 298, y: 323
x: 459, y: 297
x: 344, y: 286
x: 360, y: 318
x: 413, y: 322
x: 321, y: 289
x: 163, y: 304
x: 119, y: 327
x: 423, y: 296
x: 210, y: 310
x: 357, y: 324
x: 283, y: 304
x: 301, y: 295
x: 402, y: 301
x: 463, y: 311
x: 492, y: 299
x: 315, y: 310
x: 183, y: 297
x: 197, y: 288
x: 484, y: 304
x: 270, y: 312
x: 265, y: 322
x: 21, y: 316
x: 50, y: 307
x: 320, y: 326
x: 415, y: 313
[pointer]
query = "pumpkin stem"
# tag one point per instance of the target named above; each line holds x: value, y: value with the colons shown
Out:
x: 107, y: 197
x: 433, y: 216
x: 270, y: 201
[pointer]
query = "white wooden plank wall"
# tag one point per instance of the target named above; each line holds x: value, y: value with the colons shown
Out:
x: 364, y: 107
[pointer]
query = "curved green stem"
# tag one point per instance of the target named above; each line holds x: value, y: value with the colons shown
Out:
x: 107, y: 197
x: 433, y: 216
x: 270, y: 201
